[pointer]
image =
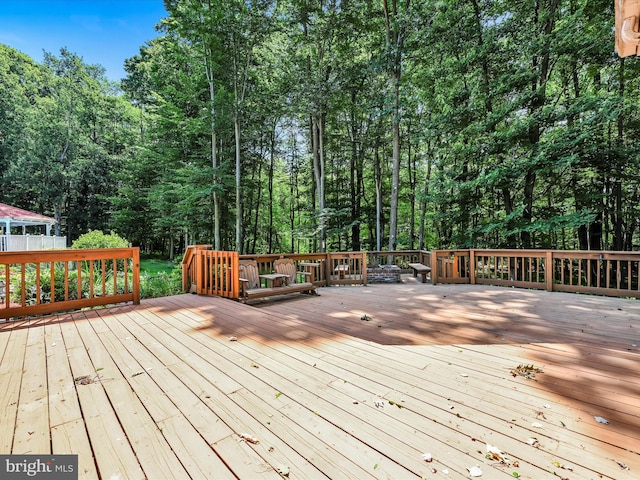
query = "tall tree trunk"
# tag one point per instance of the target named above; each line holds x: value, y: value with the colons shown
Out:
x: 239, y: 245
x: 541, y: 65
x: 214, y: 154
x: 378, y: 178
x: 423, y: 205
x: 317, y: 129
x: 395, y: 35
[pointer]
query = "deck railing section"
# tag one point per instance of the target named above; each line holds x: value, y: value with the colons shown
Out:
x: 218, y: 273
x: 594, y: 272
x: 347, y: 268
x: 401, y: 258
x: 37, y: 283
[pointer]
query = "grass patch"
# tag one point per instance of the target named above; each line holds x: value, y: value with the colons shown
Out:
x: 154, y: 266
x: 160, y: 278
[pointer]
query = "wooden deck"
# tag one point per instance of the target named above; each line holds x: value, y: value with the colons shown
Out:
x: 358, y: 383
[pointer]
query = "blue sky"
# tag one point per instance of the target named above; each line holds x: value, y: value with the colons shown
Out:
x: 104, y: 32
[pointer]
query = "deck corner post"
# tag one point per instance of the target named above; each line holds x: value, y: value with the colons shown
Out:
x: 136, y: 275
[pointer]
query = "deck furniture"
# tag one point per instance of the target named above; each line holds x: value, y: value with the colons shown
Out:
x: 275, y: 279
x: 282, y: 282
x: 311, y: 268
x: 419, y: 268
x: 342, y: 270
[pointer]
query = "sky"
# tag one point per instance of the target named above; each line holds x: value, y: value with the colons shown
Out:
x: 103, y: 32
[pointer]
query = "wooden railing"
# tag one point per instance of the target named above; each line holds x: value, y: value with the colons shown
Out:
x: 37, y: 283
x: 210, y: 272
x: 594, y: 272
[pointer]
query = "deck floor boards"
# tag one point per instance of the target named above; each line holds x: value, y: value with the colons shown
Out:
x: 357, y: 383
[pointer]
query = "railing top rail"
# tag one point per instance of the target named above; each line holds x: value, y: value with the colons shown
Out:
x: 35, y: 256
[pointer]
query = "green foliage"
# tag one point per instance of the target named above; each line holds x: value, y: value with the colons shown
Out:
x: 505, y: 136
x: 161, y: 284
x: 98, y: 239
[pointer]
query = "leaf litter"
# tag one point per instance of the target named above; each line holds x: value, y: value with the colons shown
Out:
x: 526, y: 371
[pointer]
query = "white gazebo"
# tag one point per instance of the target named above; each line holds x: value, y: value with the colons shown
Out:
x: 13, y: 217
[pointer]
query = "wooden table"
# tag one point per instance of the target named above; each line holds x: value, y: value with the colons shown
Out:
x: 275, y: 279
x: 341, y: 270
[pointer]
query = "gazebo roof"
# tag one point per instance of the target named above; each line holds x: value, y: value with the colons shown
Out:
x: 18, y: 217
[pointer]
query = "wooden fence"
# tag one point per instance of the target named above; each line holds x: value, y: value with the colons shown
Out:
x: 42, y: 282
x: 593, y: 272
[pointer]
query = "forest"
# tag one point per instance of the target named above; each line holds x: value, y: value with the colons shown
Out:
x: 310, y: 125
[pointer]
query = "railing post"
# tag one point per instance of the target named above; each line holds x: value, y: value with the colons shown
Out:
x: 434, y: 267
x: 472, y: 266
x: 549, y: 270
x: 136, y: 275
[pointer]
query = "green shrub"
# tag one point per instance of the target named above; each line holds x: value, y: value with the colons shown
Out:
x: 162, y: 284
x: 97, y: 239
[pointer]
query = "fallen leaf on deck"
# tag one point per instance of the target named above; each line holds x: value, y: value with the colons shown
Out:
x: 602, y: 420
x: 555, y: 463
x: 494, y: 453
x: 475, y: 471
x: 533, y: 442
x: 283, y: 470
x: 526, y: 371
x: 84, y: 380
x: 249, y: 438
x: 623, y: 466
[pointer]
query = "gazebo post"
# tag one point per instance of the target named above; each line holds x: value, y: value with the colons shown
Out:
x: 7, y: 229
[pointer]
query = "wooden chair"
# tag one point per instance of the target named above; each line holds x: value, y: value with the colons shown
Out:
x: 285, y: 266
x: 249, y: 277
x: 251, y: 288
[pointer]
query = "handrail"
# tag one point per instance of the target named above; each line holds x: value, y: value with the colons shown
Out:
x: 189, y: 266
x: 42, y: 282
x: 597, y: 272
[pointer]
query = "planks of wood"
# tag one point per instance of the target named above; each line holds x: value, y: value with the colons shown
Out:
x: 32, y: 422
x: 342, y: 361
x: 10, y: 383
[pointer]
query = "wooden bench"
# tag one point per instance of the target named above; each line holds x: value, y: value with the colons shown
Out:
x: 250, y: 281
x: 419, y: 268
